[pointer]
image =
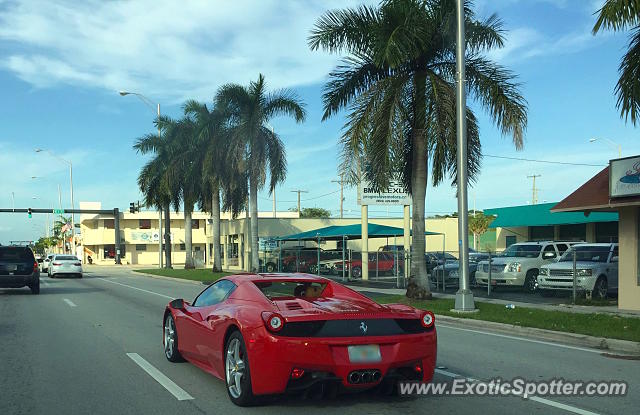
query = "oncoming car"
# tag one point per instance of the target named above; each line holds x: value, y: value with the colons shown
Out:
x: 277, y: 333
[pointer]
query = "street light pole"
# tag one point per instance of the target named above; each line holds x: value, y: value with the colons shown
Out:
x: 612, y: 143
x: 150, y: 104
x: 73, y: 224
x: 464, y: 296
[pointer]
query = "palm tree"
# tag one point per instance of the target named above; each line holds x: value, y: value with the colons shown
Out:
x: 215, y: 163
x: 398, y: 83
x: 158, y: 180
x: 249, y: 110
x: 620, y: 15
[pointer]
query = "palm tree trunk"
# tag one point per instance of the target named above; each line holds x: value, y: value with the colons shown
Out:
x: 167, y: 236
x: 188, y: 261
x: 215, y: 219
x: 419, y: 283
x: 253, y: 202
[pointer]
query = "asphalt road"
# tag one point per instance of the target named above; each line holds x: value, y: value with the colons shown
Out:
x: 82, y: 346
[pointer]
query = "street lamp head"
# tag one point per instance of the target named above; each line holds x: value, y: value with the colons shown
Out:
x: 123, y: 93
x: 591, y: 140
x: 38, y: 150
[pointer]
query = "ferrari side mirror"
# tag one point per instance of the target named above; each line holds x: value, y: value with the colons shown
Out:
x: 177, y: 304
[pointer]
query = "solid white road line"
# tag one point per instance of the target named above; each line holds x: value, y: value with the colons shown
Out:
x: 506, y: 336
x: 543, y: 401
x: 69, y: 302
x: 135, y: 288
x: 179, y: 393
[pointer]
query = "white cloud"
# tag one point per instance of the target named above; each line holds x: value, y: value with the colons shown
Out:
x: 167, y: 49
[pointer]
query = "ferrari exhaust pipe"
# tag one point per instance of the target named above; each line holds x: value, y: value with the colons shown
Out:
x: 376, y: 375
x: 366, y: 377
x: 354, y: 377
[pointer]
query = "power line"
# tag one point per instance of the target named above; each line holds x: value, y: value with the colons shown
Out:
x: 544, y: 161
x: 318, y: 197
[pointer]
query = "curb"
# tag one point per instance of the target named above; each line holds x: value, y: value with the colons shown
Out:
x: 144, y: 274
x: 572, y: 339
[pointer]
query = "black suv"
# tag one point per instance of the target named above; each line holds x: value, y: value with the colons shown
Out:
x: 19, y: 268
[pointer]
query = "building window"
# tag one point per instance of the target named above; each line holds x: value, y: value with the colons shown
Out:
x: 510, y: 240
x: 182, y: 247
x: 144, y: 223
x: 541, y: 233
x: 195, y: 223
x: 577, y: 232
x: 141, y: 247
x: 109, y: 223
x: 607, y: 232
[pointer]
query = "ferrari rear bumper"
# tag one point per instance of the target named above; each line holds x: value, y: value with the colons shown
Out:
x: 273, y: 360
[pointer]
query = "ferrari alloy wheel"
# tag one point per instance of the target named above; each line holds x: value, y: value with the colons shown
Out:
x: 237, y: 372
x: 171, y: 340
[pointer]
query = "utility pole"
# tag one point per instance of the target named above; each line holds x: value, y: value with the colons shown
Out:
x: 298, y: 192
x: 341, y: 181
x: 534, y: 190
x: 464, y: 297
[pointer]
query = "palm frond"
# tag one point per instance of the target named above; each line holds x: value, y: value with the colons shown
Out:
x: 628, y: 86
x: 618, y: 15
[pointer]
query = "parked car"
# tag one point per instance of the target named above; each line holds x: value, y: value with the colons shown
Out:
x: 451, y: 275
x: 384, y: 261
x: 519, y: 264
x: 596, y: 270
x: 19, y: 268
x: 267, y: 335
x: 65, y: 265
x: 299, y: 260
x: 437, y: 258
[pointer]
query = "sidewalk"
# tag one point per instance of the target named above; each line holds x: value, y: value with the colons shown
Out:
x: 570, y: 308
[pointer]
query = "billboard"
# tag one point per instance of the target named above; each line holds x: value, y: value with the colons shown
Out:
x: 624, y: 177
x: 393, y: 195
x: 143, y: 237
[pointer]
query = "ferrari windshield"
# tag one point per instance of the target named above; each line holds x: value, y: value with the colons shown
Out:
x: 274, y: 290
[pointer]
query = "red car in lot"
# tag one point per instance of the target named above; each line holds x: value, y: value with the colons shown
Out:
x: 275, y: 333
x: 382, y: 260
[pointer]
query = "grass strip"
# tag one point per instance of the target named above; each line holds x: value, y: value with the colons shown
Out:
x: 592, y: 324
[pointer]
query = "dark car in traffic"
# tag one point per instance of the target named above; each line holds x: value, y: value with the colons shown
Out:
x: 19, y: 268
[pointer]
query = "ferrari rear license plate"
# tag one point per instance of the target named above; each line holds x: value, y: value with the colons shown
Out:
x: 365, y: 353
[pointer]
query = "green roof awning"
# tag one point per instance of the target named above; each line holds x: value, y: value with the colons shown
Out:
x: 350, y: 231
x: 541, y: 215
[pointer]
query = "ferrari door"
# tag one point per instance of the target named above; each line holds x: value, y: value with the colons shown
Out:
x: 207, y: 336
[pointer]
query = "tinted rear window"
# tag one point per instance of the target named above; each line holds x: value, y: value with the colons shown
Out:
x: 66, y: 258
x: 17, y: 254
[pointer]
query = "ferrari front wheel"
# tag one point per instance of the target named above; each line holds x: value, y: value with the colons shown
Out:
x: 171, y: 340
x: 238, y: 375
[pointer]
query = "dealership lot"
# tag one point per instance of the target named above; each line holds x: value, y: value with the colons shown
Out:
x: 95, y: 345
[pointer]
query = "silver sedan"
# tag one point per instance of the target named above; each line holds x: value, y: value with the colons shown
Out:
x: 65, y: 265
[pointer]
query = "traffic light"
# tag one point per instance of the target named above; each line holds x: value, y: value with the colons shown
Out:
x: 29, y: 212
x: 132, y: 207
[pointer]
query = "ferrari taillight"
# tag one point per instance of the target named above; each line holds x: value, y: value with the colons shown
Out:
x: 428, y: 319
x: 273, y: 321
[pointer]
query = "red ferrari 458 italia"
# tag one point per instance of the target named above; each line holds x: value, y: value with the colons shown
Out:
x: 276, y: 333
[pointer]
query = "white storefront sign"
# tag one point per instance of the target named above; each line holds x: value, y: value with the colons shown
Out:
x: 624, y: 177
x: 393, y: 195
x: 145, y: 237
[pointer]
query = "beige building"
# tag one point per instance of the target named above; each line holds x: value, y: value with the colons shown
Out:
x: 139, y: 235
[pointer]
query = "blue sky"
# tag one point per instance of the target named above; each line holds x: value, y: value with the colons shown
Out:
x: 62, y: 63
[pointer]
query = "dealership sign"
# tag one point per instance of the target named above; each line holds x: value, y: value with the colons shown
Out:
x: 395, y: 194
x: 624, y: 177
x: 145, y: 237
